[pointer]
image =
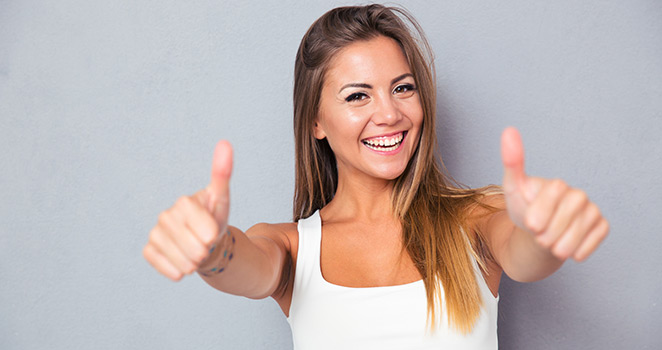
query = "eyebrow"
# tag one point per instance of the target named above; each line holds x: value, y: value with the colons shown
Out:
x: 368, y: 86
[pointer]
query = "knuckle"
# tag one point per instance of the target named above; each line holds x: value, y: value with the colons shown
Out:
x: 190, y: 268
x: 558, y: 252
x: 153, y: 236
x: 579, y: 196
x: 183, y: 202
x: 593, y: 212
x: 580, y: 257
x: 199, y: 256
x: 208, y: 241
x: 545, y: 242
x: 559, y: 186
x: 163, y: 217
x: 605, y: 231
x: 193, y: 255
x: 187, y: 201
x: 532, y: 222
x: 147, y: 252
x: 593, y: 209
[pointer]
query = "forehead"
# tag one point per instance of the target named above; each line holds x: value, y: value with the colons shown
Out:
x: 367, y: 61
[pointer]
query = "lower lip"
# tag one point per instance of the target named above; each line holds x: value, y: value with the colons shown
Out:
x: 392, y: 152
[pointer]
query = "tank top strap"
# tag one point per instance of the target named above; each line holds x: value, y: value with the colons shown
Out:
x: 308, y: 254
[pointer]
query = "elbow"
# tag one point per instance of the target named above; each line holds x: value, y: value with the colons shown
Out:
x: 528, y: 273
x: 525, y: 278
x: 276, y: 271
x: 263, y: 288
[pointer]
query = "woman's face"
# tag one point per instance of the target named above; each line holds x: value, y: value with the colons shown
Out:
x: 370, y: 111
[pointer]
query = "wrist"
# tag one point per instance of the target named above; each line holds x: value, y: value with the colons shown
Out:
x: 220, y: 255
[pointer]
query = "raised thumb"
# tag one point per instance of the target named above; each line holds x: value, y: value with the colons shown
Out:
x: 512, y: 156
x: 219, y: 185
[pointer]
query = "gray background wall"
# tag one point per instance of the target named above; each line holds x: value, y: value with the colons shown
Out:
x: 110, y: 110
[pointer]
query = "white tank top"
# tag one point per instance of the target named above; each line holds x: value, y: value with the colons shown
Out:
x: 328, y: 316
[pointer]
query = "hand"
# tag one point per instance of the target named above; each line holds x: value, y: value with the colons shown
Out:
x: 180, y: 242
x: 561, y: 218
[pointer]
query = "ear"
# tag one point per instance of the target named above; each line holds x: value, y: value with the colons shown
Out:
x: 318, y: 132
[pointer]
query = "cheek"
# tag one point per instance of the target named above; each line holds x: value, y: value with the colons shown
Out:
x: 417, y: 113
x: 416, y: 116
x: 414, y: 112
x: 340, y: 137
x: 344, y: 127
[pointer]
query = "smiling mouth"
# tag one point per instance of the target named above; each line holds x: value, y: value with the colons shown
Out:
x: 385, y: 143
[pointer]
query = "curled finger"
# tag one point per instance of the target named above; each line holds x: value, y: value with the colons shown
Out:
x: 566, y: 219
x: 160, y: 263
x: 592, y: 241
x: 167, y: 247
x: 541, y: 210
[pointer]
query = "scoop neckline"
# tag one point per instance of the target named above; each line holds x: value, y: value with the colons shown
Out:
x: 391, y: 287
x: 321, y: 275
x: 394, y: 286
x: 372, y: 288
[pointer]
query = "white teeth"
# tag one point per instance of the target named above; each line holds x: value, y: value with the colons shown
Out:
x: 383, y: 149
x: 385, y: 144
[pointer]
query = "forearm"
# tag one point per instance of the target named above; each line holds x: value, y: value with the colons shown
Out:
x: 242, y: 265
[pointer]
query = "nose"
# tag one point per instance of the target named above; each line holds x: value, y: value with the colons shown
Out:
x: 386, y: 111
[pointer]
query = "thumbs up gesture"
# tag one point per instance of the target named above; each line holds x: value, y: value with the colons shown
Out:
x: 180, y: 242
x: 561, y: 218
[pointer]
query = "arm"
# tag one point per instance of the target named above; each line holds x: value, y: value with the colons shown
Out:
x: 194, y: 235
x: 253, y: 265
x: 545, y: 221
x: 516, y: 251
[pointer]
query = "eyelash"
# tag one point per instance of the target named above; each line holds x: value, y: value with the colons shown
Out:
x: 357, y: 96
x: 409, y: 87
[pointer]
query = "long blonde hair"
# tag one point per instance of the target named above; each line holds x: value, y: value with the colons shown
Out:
x: 432, y: 207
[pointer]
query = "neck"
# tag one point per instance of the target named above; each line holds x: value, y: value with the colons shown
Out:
x: 361, y: 198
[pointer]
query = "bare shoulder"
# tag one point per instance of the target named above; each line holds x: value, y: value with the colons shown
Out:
x: 487, y: 213
x: 486, y: 219
x: 286, y: 237
x: 284, y: 234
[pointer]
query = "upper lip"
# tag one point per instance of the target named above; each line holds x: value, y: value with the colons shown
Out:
x: 384, y: 135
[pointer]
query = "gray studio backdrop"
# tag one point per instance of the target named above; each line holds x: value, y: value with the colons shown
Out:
x: 109, y: 111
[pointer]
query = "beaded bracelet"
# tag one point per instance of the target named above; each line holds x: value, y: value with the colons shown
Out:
x: 227, y: 241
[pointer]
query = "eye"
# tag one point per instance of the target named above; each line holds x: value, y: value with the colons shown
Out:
x: 404, y: 89
x: 357, y: 96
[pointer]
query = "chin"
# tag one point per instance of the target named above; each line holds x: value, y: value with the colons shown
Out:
x: 390, y: 174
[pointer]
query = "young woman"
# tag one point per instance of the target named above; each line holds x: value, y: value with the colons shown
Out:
x: 385, y: 250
